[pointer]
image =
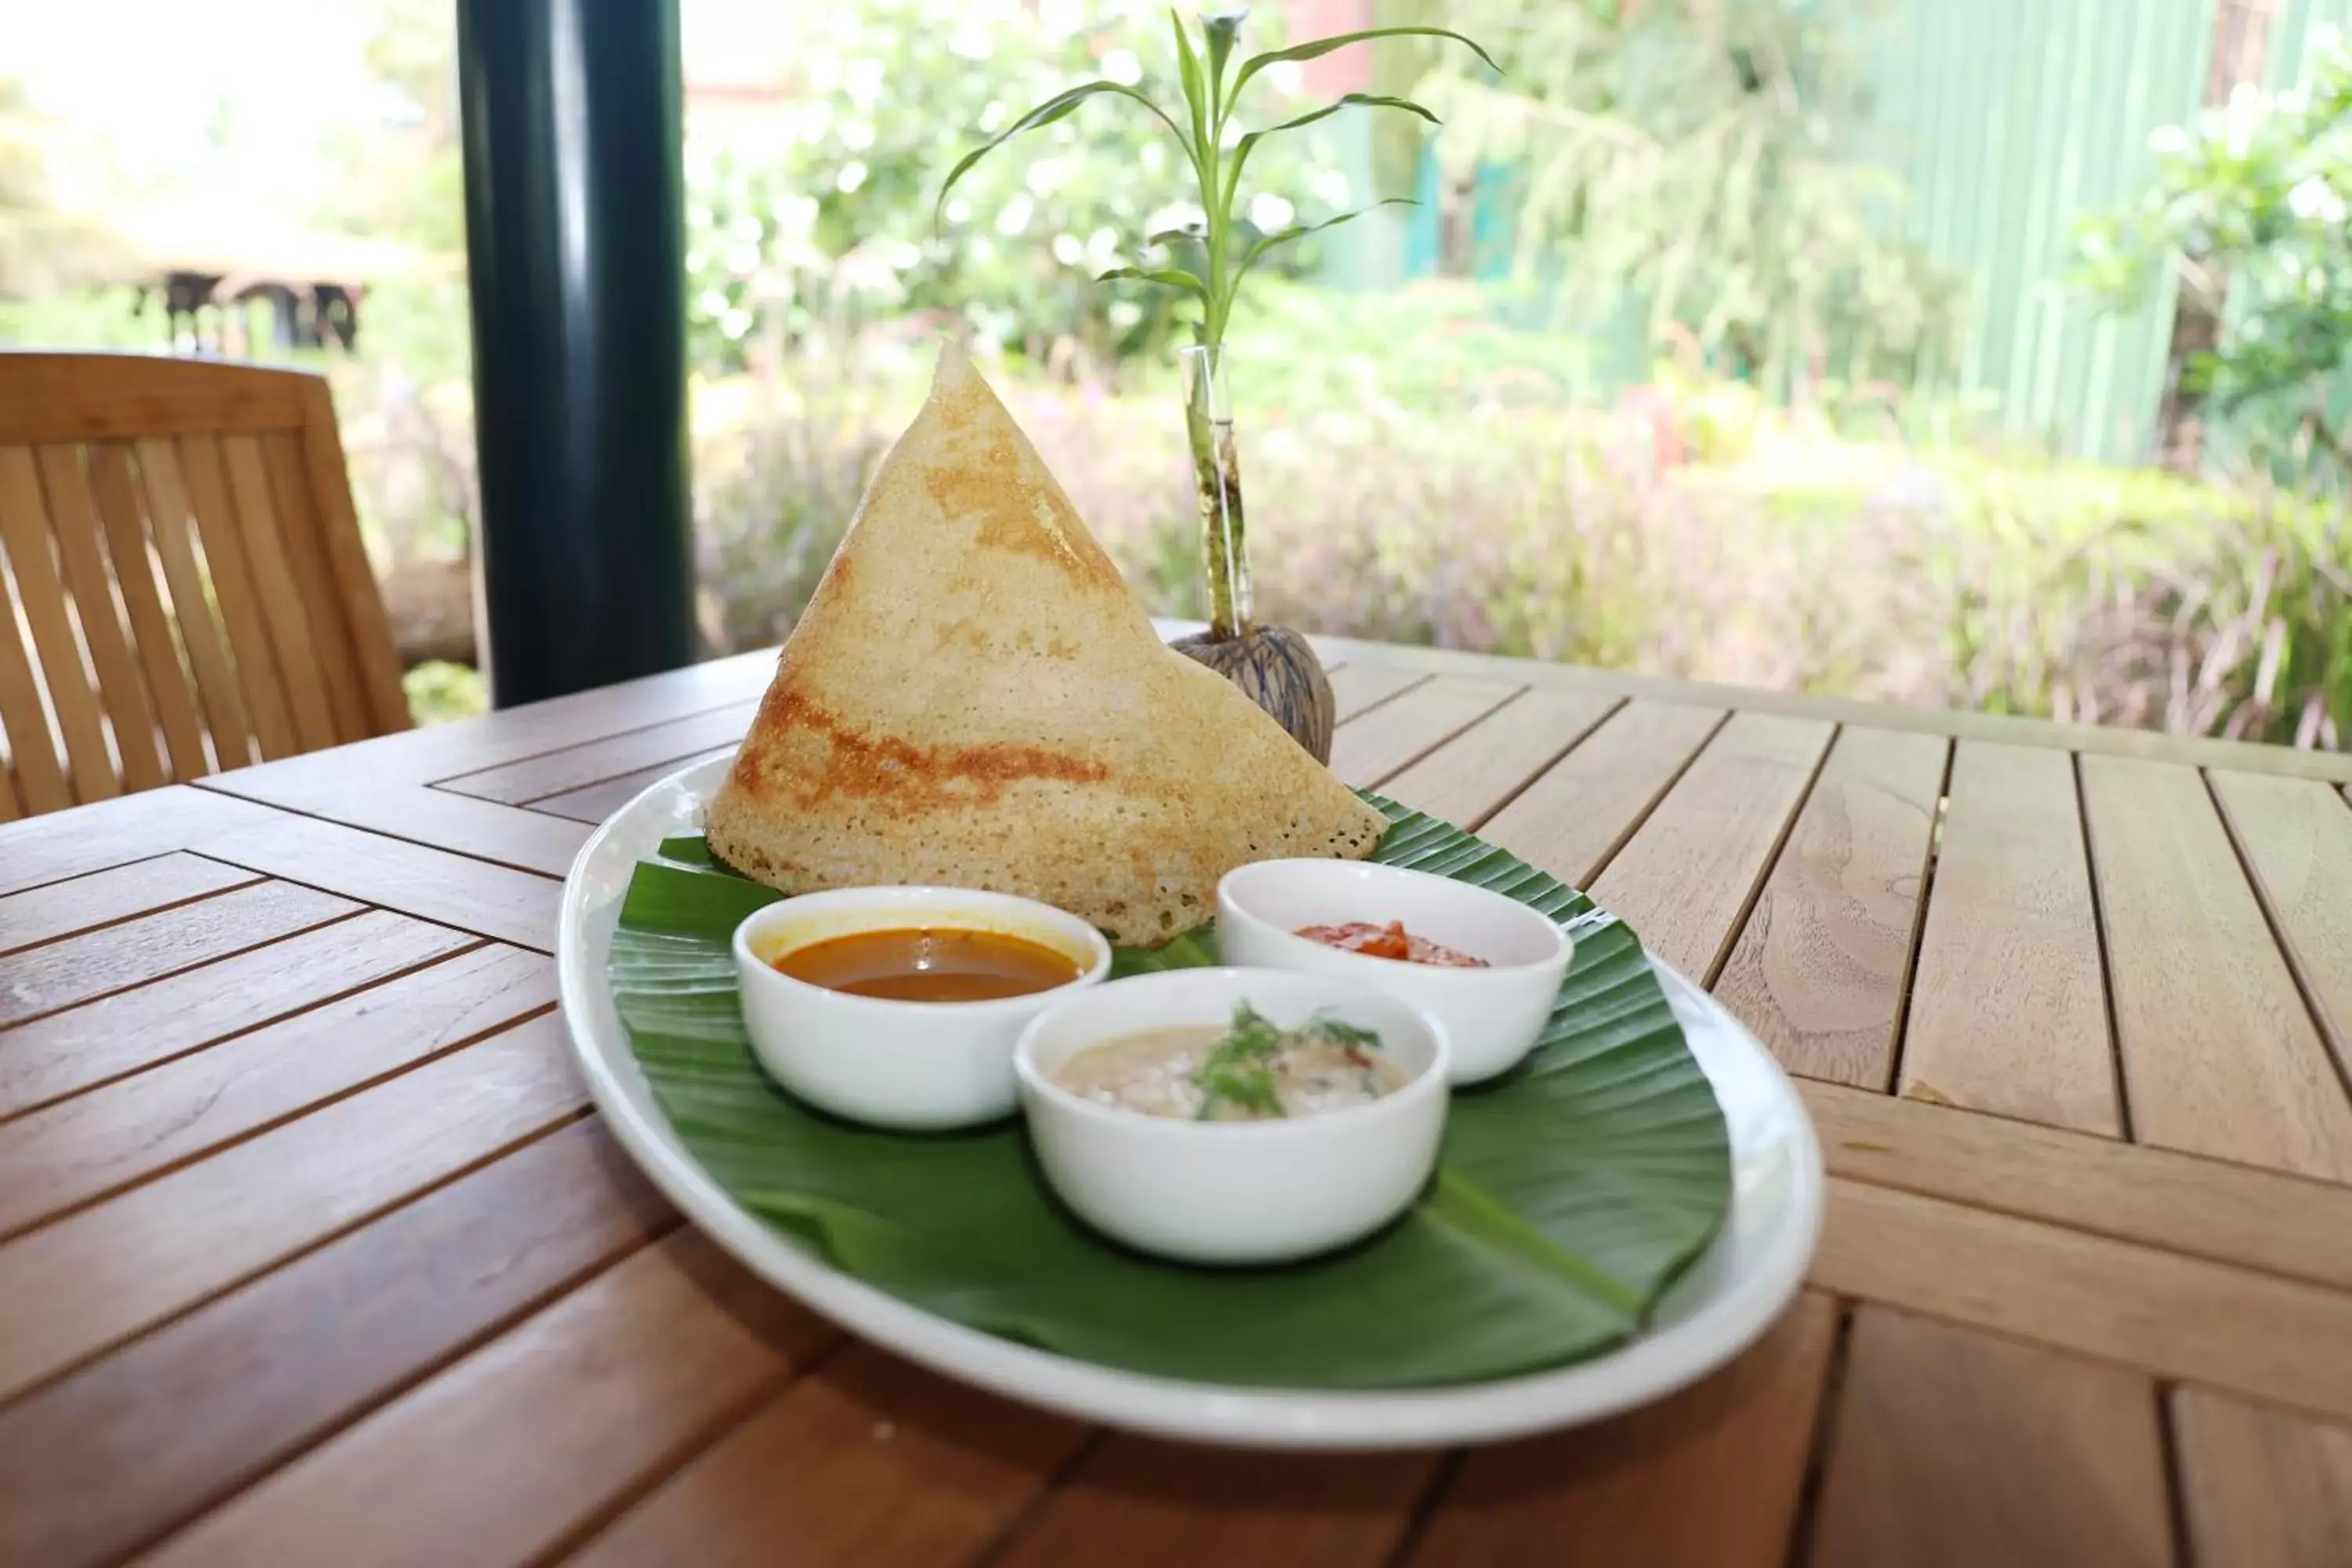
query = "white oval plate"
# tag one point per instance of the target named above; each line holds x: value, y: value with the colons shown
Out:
x: 1730, y: 1295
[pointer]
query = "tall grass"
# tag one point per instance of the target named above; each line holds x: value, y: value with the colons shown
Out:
x: 1794, y: 560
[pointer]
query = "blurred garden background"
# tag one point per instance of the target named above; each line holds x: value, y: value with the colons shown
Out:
x: 1985, y: 354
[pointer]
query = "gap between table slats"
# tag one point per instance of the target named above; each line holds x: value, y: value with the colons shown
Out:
x: 2000, y: 728
x: 2293, y: 840
x: 1977, y: 1001
x: 101, y: 1462
x: 865, y: 1459
x: 1407, y: 1498
x: 2175, y: 1316
x: 59, y: 845
x: 611, y: 1384
x: 1372, y: 747
x: 478, y: 896
x: 432, y: 822
x: 1954, y: 1448
x: 1572, y: 753
x: 1357, y: 687
x: 591, y: 804
x: 109, y: 897
x: 1985, y: 879
x: 1572, y: 818
x: 1360, y: 1509
x: 76, y: 970
x: 2243, y: 1215
x: 401, y: 761
x: 2008, y: 1013
x: 572, y: 782
x: 103, y: 1275
x: 99, y: 1043
x: 1714, y: 1474
x: 597, y: 762
x: 2192, y: 962
x: 1482, y: 770
x: 61, y: 1159
x: 1820, y: 967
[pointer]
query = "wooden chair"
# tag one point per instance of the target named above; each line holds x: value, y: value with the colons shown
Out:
x: 182, y: 588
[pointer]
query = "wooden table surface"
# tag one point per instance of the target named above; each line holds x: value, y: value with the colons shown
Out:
x: 312, y: 1250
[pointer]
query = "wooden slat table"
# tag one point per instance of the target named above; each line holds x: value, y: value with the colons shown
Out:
x: 312, y: 1250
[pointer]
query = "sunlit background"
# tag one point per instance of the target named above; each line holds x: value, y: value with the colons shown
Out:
x: 1981, y: 355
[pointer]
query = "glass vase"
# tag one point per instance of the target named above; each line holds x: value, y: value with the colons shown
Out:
x: 1217, y: 488
x: 1274, y: 667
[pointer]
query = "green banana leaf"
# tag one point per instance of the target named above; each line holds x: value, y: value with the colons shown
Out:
x: 1569, y: 1195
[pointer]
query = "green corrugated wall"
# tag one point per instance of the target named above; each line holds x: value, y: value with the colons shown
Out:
x: 2010, y: 120
x: 2291, y: 37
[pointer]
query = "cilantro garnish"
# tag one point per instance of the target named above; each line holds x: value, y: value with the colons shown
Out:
x: 1239, y: 1069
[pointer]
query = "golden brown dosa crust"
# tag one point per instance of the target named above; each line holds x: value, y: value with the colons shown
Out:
x: 975, y: 698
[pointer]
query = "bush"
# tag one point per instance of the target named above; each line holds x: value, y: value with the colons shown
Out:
x: 1796, y: 560
x: 781, y: 469
x: 817, y: 220
x: 2248, y: 212
x: 439, y: 691
x: 2148, y: 602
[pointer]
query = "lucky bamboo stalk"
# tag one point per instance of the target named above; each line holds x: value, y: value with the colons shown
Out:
x: 1207, y: 262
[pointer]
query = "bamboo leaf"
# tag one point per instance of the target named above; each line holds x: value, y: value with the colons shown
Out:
x: 1222, y: 28
x: 1057, y: 107
x: 1369, y: 100
x: 1188, y: 65
x: 1315, y: 48
x: 1570, y: 1195
x: 1372, y: 101
x: 1301, y: 230
x: 1169, y: 276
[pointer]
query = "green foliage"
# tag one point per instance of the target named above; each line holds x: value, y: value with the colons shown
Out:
x: 778, y: 490
x: 1418, y: 493
x: 90, y: 318
x: 1435, y: 347
x: 1692, y: 157
x: 405, y: 396
x: 817, y: 220
x: 1216, y: 251
x: 439, y: 691
x: 2249, y: 212
x: 407, y: 182
x: 2143, y: 599
x: 41, y: 248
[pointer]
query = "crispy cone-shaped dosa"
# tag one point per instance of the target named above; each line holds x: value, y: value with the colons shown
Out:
x: 975, y: 698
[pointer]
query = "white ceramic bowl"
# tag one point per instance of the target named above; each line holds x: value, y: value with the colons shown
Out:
x: 1233, y: 1191
x: 1491, y: 1016
x: 912, y: 1065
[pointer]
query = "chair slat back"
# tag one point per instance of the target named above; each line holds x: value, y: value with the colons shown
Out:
x: 182, y: 587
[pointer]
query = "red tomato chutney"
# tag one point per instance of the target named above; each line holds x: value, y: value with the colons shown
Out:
x: 1391, y: 940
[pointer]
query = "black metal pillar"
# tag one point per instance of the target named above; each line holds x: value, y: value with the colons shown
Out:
x: 574, y: 201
